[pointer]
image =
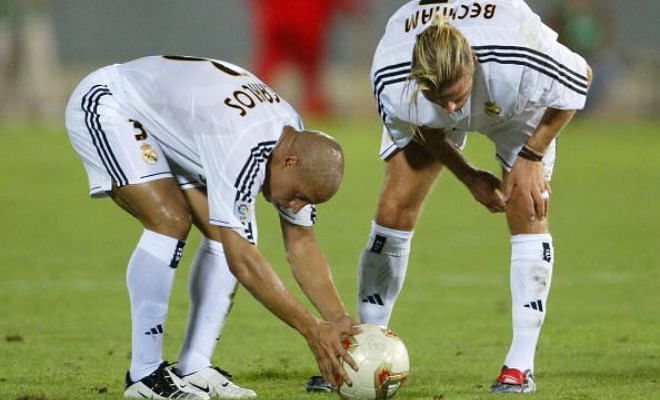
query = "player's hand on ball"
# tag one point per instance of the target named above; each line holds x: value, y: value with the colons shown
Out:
x: 329, y: 351
x: 349, y: 327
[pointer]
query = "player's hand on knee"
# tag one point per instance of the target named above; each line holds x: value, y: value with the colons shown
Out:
x: 486, y: 189
x: 526, y: 182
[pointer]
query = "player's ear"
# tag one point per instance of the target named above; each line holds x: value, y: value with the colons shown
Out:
x: 290, y: 161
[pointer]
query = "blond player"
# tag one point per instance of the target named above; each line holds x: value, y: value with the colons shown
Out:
x: 176, y: 141
x: 444, y: 68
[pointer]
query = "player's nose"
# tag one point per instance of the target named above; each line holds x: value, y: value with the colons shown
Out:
x: 450, y: 107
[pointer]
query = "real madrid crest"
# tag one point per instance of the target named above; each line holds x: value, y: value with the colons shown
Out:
x: 492, y: 109
x: 149, y: 155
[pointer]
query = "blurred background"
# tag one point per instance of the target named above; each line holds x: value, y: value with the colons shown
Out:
x: 46, y: 47
x: 63, y: 303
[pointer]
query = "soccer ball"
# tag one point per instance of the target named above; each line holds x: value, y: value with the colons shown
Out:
x: 383, y: 364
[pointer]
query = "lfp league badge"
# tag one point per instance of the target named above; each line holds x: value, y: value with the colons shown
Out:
x: 242, y: 211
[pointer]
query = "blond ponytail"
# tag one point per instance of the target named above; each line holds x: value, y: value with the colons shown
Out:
x: 441, y: 56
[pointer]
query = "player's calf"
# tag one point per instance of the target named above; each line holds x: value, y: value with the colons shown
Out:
x: 382, y: 271
x: 531, y: 274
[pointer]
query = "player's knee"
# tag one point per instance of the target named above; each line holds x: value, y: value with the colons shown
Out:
x: 520, y: 207
x: 516, y: 200
x: 173, y: 223
x: 181, y: 223
x: 396, y: 215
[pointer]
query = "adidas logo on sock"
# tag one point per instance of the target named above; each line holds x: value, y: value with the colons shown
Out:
x: 373, y: 299
x: 178, y: 254
x: 535, y: 305
x: 547, y: 252
x: 156, y: 330
x: 379, y: 243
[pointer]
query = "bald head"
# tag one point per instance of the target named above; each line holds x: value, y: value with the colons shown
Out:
x: 321, y: 163
x: 317, y: 160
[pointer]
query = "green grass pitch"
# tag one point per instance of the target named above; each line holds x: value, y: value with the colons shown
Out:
x: 64, y: 314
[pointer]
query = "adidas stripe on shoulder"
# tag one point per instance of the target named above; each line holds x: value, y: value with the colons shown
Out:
x: 535, y: 60
x: 389, y: 75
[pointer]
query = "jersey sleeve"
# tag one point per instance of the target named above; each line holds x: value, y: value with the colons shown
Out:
x: 554, y: 76
x: 306, y: 216
x: 390, y: 85
x: 231, y: 173
x: 558, y: 79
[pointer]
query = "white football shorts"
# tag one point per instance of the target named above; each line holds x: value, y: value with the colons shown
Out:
x: 508, y: 138
x: 114, y: 148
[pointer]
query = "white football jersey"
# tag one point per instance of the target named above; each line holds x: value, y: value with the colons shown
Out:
x: 213, y: 119
x: 521, y: 68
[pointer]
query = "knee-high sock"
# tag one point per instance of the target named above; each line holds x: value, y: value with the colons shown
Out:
x: 381, y: 272
x: 212, y: 287
x: 149, y: 278
x: 532, y: 257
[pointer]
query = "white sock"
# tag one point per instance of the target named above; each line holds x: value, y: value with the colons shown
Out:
x: 212, y: 287
x: 381, y: 272
x: 532, y: 256
x: 149, y: 277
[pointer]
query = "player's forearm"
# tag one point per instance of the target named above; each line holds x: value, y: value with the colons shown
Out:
x: 258, y: 277
x: 548, y: 129
x: 314, y: 277
x: 312, y: 272
x: 436, y: 143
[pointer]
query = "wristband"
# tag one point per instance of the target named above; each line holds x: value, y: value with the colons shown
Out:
x: 528, y: 153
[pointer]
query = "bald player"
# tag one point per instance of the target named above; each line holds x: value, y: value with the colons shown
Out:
x: 176, y: 141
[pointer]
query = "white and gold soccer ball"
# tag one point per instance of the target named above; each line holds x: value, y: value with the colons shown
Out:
x: 383, y: 364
